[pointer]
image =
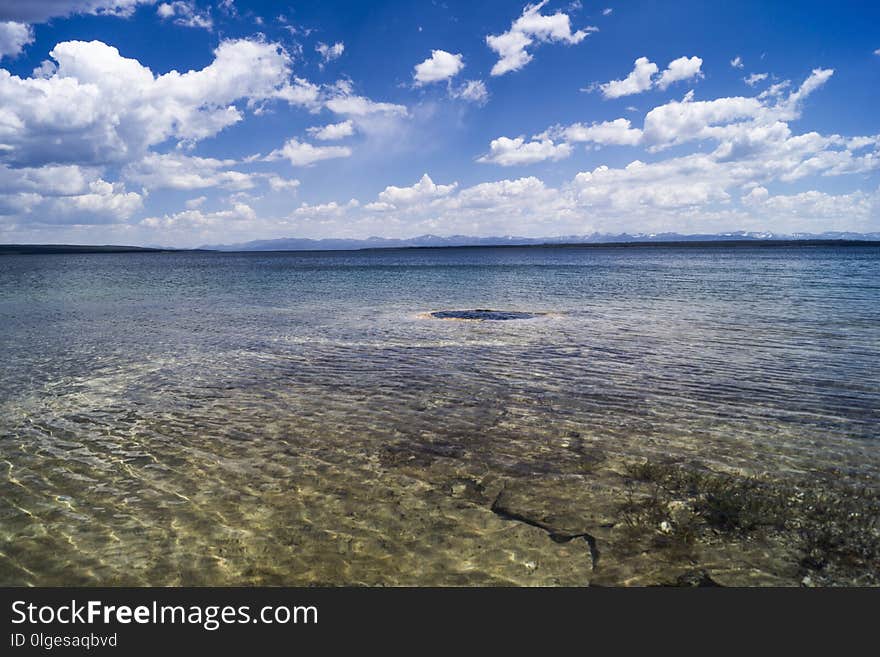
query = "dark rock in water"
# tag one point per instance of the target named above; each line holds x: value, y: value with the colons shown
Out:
x: 484, y: 314
x: 695, y: 578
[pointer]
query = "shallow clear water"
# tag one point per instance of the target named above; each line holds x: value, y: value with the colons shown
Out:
x: 299, y: 418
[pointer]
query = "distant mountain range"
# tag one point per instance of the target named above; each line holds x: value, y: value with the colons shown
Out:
x: 427, y: 241
x: 333, y: 244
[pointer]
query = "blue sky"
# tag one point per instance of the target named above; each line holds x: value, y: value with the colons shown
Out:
x: 206, y: 121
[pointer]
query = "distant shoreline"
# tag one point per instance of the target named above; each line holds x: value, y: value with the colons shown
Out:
x: 73, y: 249
x: 60, y: 249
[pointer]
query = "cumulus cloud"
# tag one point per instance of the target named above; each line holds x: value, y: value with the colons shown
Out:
x: 532, y: 26
x: 100, y: 107
x: 104, y: 199
x: 354, y: 105
x: 617, y: 132
x: 38, y: 11
x: 440, y: 66
x: 511, y: 152
x: 64, y: 194
x: 303, y: 154
x: 331, y: 209
x: 329, y: 53
x: 755, y: 78
x: 185, y: 13
x: 775, y: 90
x: 341, y: 99
x: 819, y: 208
x: 78, y: 141
x: 643, y: 77
x: 14, y: 37
x: 332, y: 131
x: 683, y: 68
x: 279, y: 184
x: 695, y: 193
x: 375, y: 120
x: 737, y: 62
x: 179, y: 171
x: 751, y: 146
x: 722, y: 188
x: 816, y: 79
x: 201, y: 222
x: 423, y: 190
x: 473, y: 91
x: 301, y: 93
x: 726, y: 118
x: 639, y: 80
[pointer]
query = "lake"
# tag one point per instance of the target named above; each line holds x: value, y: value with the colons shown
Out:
x: 301, y: 418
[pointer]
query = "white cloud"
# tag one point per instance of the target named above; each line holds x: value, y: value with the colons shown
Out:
x: 725, y: 118
x: 616, y: 132
x: 332, y: 131
x: 441, y: 65
x: 14, y: 37
x: 329, y: 53
x: 753, y: 147
x: 473, y: 91
x: 100, y: 107
x: 423, y: 190
x: 814, y: 205
x: 301, y: 93
x: 607, y: 11
x: 332, y: 209
x: 737, y: 62
x: 639, y: 80
x: 178, y: 171
x: 38, y: 11
x: 641, y: 187
x: 303, y: 154
x: 67, y: 180
x: 511, y: 152
x: 688, y: 194
x: 755, y: 78
x: 679, y: 121
x: 531, y: 26
x: 64, y: 195
x: 683, y: 68
x: 877, y: 52
x: 643, y: 77
x: 775, y: 90
x: 71, y: 128
x: 340, y: 99
x: 817, y: 78
x: 279, y: 184
x: 204, y: 223
x: 185, y: 13
x: 377, y: 121
x: 102, y: 199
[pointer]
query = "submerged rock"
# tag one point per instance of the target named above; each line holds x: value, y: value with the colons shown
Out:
x: 696, y: 578
x: 484, y: 314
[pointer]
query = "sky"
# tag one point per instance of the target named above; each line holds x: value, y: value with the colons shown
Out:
x: 194, y: 122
